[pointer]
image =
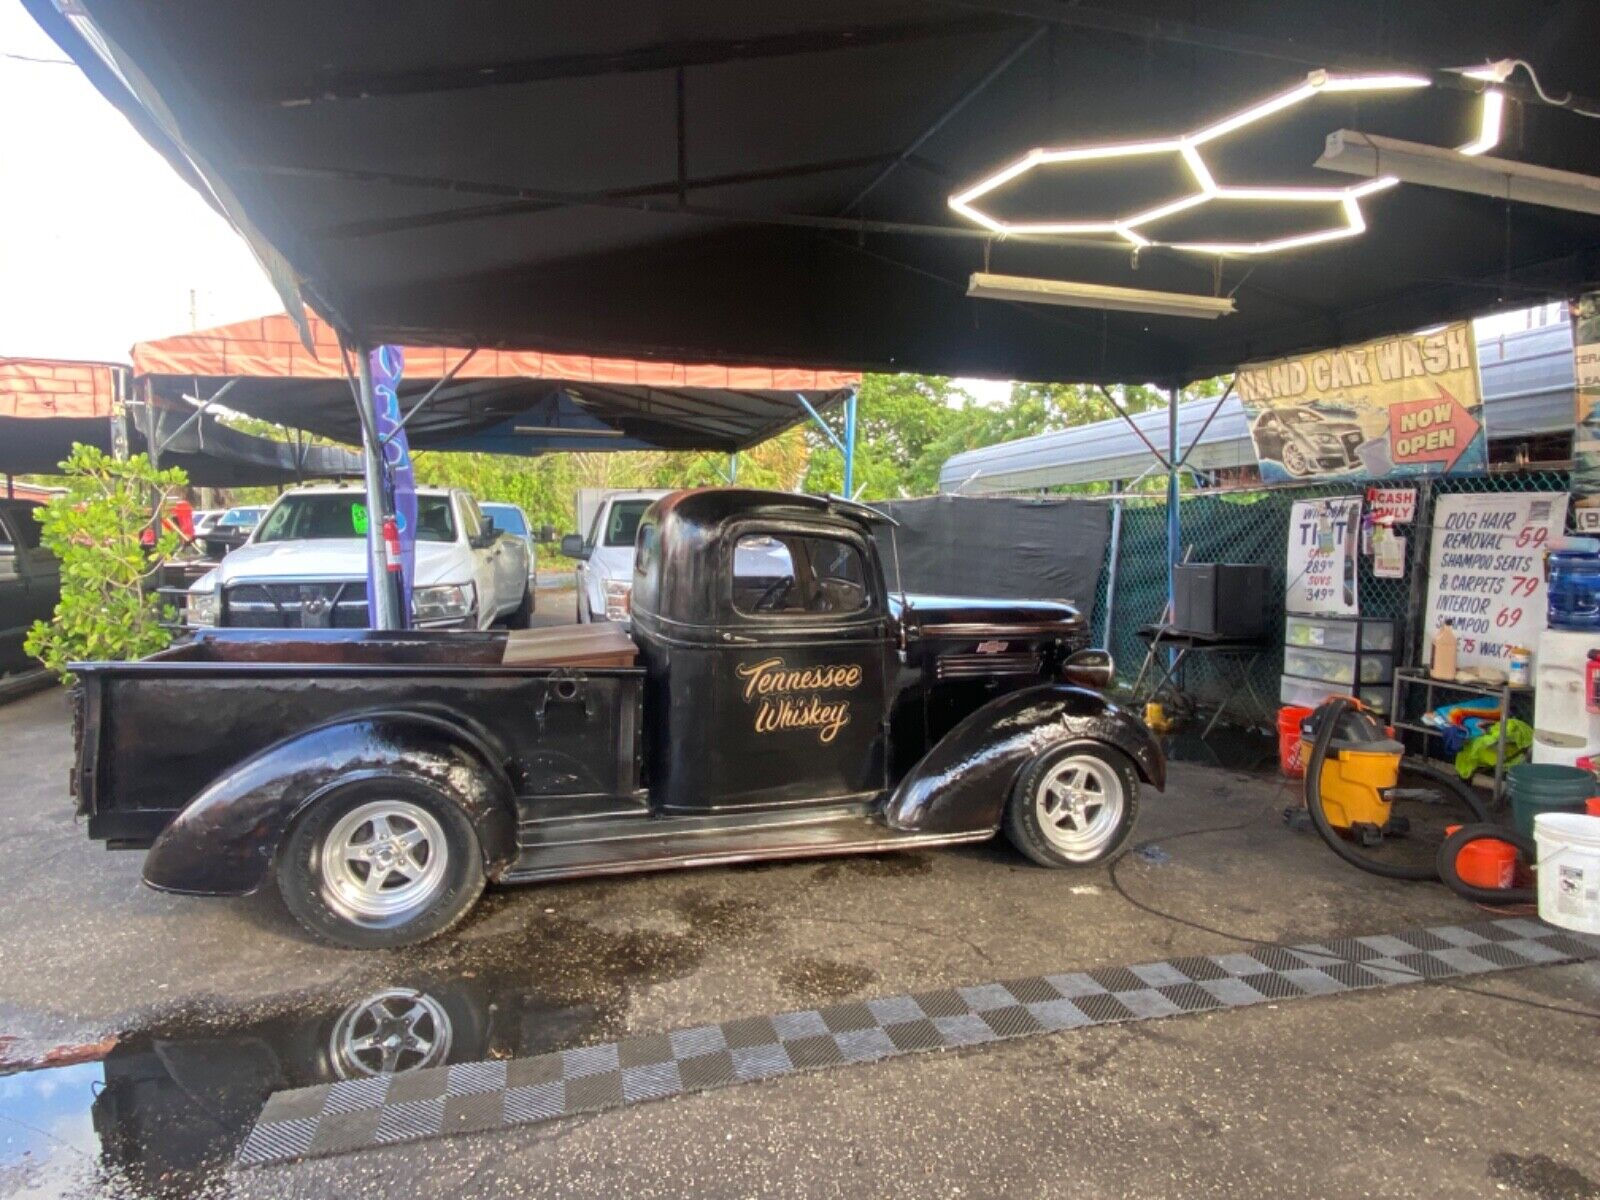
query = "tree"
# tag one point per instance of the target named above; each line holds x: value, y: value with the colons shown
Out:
x: 898, y: 418
x: 105, y: 610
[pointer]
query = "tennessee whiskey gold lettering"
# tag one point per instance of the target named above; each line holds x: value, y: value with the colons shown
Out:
x: 775, y: 690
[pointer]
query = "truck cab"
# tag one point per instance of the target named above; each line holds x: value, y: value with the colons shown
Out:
x: 773, y: 699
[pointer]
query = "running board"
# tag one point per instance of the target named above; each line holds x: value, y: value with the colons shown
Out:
x: 677, y: 842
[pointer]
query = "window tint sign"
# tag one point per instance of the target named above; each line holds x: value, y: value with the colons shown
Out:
x: 1396, y: 406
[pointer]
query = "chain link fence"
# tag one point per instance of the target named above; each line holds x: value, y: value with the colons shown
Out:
x: 1252, y: 526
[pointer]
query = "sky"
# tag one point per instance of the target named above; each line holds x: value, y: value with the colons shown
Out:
x: 101, y: 244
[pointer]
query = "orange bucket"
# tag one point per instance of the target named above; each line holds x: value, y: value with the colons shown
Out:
x: 1486, y: 862
x: 1290, y: 756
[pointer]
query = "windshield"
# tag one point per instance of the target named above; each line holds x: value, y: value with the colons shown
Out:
x: 622, y: 523
x: 1300, y: 416
x: 344, y: 515
x: 507, y: 518
x: 244, y: 518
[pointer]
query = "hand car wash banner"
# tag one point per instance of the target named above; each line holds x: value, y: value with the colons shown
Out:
x: 388, y: 364
x: 1404, y: 405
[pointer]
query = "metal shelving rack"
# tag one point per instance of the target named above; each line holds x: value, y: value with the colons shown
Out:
x: 1405, y: 677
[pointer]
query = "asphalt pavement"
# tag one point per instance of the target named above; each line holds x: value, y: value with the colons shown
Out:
x: 187, y: 1013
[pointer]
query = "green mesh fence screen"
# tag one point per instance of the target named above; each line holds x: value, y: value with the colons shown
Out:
x: 1253, y: 527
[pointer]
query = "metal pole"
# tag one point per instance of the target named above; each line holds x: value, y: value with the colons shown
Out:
x: 386, y: 602
x: 1174, y: 533
x: 850, y: 446
x: 733, y: 467
x: 1112, y: 560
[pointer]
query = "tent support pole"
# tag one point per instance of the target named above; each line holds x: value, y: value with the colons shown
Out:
x: 386, y: 600
x: 1113, y: 560
x: 850, y: 446
x: 1174, y: 531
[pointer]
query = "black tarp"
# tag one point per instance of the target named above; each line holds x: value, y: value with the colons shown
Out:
x: 765, y: 181
x: 1000, y: 547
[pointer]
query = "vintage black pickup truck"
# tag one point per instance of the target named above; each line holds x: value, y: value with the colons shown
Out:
x: 772, y: 700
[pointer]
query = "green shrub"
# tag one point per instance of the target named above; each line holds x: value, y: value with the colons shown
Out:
x: 105, y: 611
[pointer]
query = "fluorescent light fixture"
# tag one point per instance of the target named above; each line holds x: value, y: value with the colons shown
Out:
x: 1357, y: 153
x: 1206, y: 186
x: 1494, y: 105
x: 568, y: 431
x: 1029, y: 290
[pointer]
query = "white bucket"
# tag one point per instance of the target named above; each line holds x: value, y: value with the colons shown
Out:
x: 1569, y: 870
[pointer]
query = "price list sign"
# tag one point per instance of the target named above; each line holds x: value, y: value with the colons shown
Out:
x: 1486, y: 571
x: 1322, y: 556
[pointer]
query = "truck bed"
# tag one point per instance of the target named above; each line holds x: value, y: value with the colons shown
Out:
x: 561, y: 712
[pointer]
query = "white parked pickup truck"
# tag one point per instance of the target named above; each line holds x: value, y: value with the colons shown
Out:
x: 605, y: 555
x: 305, y: 567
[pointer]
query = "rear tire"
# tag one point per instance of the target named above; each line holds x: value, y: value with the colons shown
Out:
x: 522, y: 616
x: 1075, y: 806
x: 380, y: 863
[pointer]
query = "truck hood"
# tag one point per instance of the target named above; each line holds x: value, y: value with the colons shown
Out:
x: 932, y: 615
x: 332, y: 558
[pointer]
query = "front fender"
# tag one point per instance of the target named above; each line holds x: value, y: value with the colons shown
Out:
x: 223, y: 841
x: 962, y: 784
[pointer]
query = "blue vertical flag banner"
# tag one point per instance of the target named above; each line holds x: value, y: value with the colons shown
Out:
x: 400, y: 543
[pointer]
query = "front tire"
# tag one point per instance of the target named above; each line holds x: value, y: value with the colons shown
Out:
x: 381, y: 863
x: 1075, y: 806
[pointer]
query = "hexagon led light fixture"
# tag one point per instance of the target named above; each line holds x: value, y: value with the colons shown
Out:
x: 1206, y: 188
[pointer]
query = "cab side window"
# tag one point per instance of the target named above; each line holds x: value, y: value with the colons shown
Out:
x: 799, y: 574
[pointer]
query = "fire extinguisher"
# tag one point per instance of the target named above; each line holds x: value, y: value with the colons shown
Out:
x: 1591, y: 681
x: 391, y: 544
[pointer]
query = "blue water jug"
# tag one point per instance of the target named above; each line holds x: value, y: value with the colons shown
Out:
x: 1574, y: 589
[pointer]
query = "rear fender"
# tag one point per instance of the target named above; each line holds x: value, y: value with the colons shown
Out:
x: 223, y: 841
x: 962, y: 784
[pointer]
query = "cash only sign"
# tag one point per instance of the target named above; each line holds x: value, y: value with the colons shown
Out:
x: 1397, y: 406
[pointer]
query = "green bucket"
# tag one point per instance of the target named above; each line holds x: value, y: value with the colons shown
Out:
x: 1545, y: 787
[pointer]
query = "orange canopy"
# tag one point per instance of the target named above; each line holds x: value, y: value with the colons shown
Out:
x: 270, y: 348
x: 44, y: 388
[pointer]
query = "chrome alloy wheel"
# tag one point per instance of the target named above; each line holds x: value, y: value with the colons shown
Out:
x: 392, y: 1032
x: 384, y: 861
x: 1079, y: 804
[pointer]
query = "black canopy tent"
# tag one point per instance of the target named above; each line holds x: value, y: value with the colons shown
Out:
x: 763, y: 182
x: 767, y: 182
x: 486, y: 400
x: 47, y: 405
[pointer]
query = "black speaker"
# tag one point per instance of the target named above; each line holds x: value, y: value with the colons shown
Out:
x: 1220, y: 600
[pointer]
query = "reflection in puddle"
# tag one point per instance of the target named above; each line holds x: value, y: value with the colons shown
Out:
x: 165, y: 1110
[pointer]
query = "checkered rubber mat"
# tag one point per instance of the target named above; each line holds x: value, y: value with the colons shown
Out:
x: 357, y: 1114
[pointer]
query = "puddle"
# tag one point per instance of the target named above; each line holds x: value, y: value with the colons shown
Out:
x: 161, y: 1111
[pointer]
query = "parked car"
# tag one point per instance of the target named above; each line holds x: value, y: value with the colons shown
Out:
x: 30, y: 582
x: 232, y: 529
x: 305, y: 567
x: 605, y: 555
x: 205, y: 520
x: 1304, y: 440
x: 513, y: 522
x: 786, y: 707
